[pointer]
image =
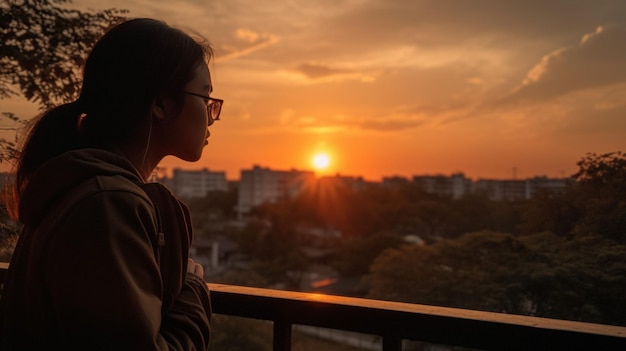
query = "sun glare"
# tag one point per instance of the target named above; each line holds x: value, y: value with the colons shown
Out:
x: 321, y: 161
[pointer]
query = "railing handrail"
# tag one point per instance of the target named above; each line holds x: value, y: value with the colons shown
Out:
x: 395, y: 321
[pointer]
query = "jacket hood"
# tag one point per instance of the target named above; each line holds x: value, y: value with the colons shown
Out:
x: 58, y: 176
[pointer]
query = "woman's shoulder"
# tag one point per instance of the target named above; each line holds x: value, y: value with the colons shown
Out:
x: 76, y: 175
x: 115, y: 193
x: 115, y: 184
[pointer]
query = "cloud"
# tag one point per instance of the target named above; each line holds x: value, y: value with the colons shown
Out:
x: 317, y: 73
x: 246, y: 42
x: 598, y: 60
x: 391, y: 122
x: 437, y: 23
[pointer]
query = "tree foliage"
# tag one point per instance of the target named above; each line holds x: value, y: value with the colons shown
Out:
x: 601, y: 194
x: 355, y: 255
x: 594, y: 204
x: 214, y: 208
x: 274, y: 247
x: 43, y: 45
x: 606, y: 172
x: 551, y: 211
x: 542, y: 275
x: 8, y: 151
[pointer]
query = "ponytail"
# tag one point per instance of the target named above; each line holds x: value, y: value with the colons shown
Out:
x: 49, y: 135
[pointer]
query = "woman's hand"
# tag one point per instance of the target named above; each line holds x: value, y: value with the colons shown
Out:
x: 195, y: 268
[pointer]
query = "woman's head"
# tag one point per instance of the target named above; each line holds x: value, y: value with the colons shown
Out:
x: 136, y: 63
x: 133, y: 64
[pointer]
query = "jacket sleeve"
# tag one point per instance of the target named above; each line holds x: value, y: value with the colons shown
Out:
x: 105, y: 284
x: 192, y: 305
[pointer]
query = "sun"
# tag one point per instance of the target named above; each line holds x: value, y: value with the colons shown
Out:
x: 321, y: 161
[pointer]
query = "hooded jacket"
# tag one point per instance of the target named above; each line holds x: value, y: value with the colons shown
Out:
x: 101, y: 263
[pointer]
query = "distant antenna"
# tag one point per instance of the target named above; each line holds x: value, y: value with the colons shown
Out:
x: 514, y: 173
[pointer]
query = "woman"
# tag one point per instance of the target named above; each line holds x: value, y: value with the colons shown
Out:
x: 102, y: 259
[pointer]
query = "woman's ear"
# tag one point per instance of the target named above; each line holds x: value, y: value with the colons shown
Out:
x: 162, y: 109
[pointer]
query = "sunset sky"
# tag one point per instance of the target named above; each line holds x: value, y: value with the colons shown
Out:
x: 407, y: 87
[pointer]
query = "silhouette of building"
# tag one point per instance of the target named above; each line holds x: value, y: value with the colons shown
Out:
x: 189, y: 184
x: 454, y: 186
x: 499, y: 190
x: 395, y: 181
x: 349, y: 182
x: 543, y: 183
x: 260, y: 185
x: 457, y: 185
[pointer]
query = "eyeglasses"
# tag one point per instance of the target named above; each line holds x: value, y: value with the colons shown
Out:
x: 214, y: 106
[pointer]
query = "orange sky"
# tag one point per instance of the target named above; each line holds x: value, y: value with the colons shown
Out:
x: 407, y: 87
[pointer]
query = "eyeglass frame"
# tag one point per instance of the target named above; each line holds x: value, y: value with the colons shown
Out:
x: 208, y: 100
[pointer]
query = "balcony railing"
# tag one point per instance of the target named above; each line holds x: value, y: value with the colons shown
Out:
x: 395, y: 321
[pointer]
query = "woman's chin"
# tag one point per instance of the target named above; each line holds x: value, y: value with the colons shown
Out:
x: 190, y: 158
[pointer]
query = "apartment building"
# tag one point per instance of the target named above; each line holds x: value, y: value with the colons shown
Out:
x: 499, y: 190
x: 349, y: 182
x: 260, y: 185
x: 195, y: 183
x: 457, y: 185
x: 519, y: 189
x: 454, y: 186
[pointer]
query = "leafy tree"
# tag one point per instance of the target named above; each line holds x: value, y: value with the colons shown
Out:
x: 449, y: 273
x: 8, y: 151
x: 477, y: 212
x: 436, y: 217
x: 43, y: 45
x: 556, y: 212
x: 542, y: 275
x: 606, y: 171
x: 212, y: 209
x: 602, y: 195
x: 594, y: 204
x: 8, y: 235
x: 274, y: 247
x: 355, y: 255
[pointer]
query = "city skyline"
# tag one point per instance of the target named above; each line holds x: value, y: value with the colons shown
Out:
x: 405, y: 87
x: 167, y: 172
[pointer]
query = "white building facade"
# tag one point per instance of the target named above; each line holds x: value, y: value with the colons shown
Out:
x: 260, y: 185
x: 454, y: 186
x: 195, y: 183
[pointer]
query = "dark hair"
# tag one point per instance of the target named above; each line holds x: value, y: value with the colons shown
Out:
x: 135, y: 62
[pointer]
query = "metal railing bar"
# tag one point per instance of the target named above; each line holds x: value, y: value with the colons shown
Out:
x: 392, y: 344
x: 433, y: 324
x: 397, y: 321
x: 282, y: 335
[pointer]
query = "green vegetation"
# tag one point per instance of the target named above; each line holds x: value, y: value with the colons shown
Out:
x: 43, y: 45
x: 540, y: 274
